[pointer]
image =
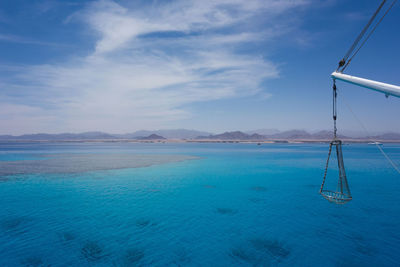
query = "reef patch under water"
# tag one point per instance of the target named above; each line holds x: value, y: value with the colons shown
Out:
x: 93, y: 251
x: 78, y: 163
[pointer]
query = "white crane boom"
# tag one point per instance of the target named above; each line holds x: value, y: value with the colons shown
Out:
x: 387, y: 89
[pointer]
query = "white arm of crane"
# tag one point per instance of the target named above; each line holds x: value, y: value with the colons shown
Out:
x: 387, y: 89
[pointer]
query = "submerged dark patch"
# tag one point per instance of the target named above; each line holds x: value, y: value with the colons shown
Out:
x: 261, y: 252
x: 365, y: 249
x: 133, y: 255
x: 13, y: 223
x: 272, y: 247
x: 258, y: 188
x: 182, y: 257
x: 362, y: 245
x: 241, y: 254
x: 67, y: 236
x: 226, y: 211
x: 33, y: 262
x: 144, y: 222
x: 92, y: 251
x: 249, y: 256
x: 348, y: 261
x: 256, y: 200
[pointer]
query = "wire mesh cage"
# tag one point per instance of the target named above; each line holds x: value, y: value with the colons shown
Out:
x: 341, y: 194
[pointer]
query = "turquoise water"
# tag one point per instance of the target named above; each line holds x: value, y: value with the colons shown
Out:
x: 235, y: 205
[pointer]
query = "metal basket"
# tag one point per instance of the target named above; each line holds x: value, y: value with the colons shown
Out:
x: 342, y: 193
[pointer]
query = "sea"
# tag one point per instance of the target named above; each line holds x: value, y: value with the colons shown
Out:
x: 195, y: 204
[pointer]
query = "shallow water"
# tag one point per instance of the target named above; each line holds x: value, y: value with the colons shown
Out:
x: 80, y: 162
x: 234, y: 205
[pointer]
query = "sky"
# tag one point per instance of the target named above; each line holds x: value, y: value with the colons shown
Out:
x: 119, y: 66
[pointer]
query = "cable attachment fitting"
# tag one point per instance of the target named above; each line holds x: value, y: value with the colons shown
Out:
x: 341, y: 64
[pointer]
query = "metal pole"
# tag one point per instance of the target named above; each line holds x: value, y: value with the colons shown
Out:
x: 387, y: 89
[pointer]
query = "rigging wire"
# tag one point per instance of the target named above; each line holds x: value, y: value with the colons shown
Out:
x: 359, y: 37
x: 344, y: 62
x: 387, y: 157
x: 369, y: 35
x: 395, y: 167
x: 334, y: 106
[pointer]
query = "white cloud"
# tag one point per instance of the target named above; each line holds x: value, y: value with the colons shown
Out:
x: 131, y: 81
x: 21, y: 40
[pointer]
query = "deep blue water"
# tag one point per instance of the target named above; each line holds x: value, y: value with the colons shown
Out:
x: 237, y: 205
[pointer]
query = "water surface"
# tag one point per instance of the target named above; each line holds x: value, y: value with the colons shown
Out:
x: 195, y: 205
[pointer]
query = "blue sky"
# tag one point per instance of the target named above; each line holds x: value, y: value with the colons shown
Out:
x: 120, y: 66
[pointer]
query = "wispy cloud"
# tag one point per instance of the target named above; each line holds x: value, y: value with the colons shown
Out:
x: 22, y: 40
x: 148, y: 62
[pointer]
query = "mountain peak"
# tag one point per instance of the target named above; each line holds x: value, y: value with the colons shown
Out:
x: 151, y: 137
x: 235, y: 135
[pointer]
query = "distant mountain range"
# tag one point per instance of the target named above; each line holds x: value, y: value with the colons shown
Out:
x: 138, y: 135
x: 233, y: 136
x: 182, y: 134
x: 263, y: 131
x: 168, y: 134
x: 62, y: 136
x: 294, y: 135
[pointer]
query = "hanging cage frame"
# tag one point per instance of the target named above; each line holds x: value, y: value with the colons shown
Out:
x: 342, y: 195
